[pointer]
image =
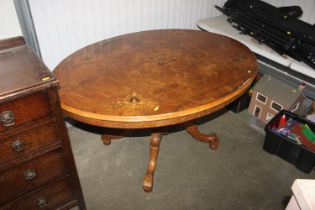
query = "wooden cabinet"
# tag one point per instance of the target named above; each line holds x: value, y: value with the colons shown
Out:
x: 37, y: 169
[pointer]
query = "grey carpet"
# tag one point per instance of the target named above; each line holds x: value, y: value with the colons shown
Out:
x: 239, y: 175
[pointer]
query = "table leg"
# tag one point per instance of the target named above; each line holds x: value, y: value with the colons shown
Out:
x: 212, y: 139
x: 107, y: 138
x: 154, y: 151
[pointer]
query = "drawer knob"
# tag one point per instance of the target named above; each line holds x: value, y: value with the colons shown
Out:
x: 29, y: 174
x: 7, y: 118
x: 42, y: 201
x: 18, y: 145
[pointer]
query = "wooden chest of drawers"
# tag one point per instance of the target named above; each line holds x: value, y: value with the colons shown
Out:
x: 37, y: 169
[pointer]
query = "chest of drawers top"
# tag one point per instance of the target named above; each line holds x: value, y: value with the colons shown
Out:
x: 22, y: 72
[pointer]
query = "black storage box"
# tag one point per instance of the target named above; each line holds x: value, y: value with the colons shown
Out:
x: 287, y: 149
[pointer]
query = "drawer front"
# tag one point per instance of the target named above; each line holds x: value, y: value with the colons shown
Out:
x: 19, y: 111
x: 31, y: 174
x: 48, y: 197
x: 28, y: 141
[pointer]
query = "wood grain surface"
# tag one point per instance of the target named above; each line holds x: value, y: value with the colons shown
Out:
x: 154, y: 78
x: 21, y: 68
x: 12, y: 42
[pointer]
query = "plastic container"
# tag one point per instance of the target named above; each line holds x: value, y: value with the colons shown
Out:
x: 302, y: 157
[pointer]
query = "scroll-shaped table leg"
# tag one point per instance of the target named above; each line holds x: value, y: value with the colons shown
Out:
x: 212, y: 139
x: 154, y: 151
x: 107, y: 138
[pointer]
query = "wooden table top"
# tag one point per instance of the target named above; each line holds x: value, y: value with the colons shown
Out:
x: 154, y: 78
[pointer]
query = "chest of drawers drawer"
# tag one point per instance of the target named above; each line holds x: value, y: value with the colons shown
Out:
x: 25, y: 109
x: 26, y: 142
x: 48, y: 197
x: 31, y: 174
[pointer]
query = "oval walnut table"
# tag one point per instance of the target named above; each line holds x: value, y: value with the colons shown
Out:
x: 154, y: 79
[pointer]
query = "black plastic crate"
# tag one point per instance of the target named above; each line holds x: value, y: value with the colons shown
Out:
x: 286, y: 148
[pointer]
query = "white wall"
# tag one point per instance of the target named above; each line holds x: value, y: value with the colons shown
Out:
x: 64, y: 26
x: 9, y: 24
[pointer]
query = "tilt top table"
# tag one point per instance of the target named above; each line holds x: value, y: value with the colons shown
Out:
x: 154, y: 79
